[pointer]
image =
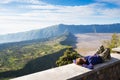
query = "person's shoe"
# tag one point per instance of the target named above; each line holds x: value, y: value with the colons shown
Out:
x: 106, y: 54
x: 100, y: 49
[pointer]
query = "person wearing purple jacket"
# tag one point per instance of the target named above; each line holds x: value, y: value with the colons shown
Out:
x: 100, y: 56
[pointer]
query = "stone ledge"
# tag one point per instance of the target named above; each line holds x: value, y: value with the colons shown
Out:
x: 71, y: 71
x: 115, y: 60
x: 117, y: 50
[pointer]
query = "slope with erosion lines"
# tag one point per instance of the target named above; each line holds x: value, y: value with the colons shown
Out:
x: 58, y: 30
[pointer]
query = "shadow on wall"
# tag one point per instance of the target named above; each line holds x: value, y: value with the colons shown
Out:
x: 39, y: 64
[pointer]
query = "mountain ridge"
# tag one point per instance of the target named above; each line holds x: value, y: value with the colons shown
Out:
x: 57, y: 30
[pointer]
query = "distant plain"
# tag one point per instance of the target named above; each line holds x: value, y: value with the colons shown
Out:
x: 88, y: 43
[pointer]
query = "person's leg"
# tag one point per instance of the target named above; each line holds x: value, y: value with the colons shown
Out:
x: 100, y: 49
x: 106, y: 54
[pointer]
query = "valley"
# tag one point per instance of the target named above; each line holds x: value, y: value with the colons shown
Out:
x: 89, y: 42
x: 37, y: 50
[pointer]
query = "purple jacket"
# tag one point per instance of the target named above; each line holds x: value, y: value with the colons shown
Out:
x: 91, y: 60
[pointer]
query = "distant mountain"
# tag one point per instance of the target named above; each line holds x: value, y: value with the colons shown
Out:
x: 64, y: 39
x: 58, y: 30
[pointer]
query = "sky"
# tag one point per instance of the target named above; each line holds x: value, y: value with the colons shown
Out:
x: 25, y: 15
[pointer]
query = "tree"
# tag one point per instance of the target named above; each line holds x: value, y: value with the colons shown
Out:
x: 114, y: 42
x: 67, y: 57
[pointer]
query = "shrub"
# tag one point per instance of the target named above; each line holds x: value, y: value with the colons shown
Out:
x: 114, y: 42
x: 67, y: 57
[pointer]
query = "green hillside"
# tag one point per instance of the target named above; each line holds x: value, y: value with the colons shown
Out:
x: 21, y: 58
x: 16, y: 57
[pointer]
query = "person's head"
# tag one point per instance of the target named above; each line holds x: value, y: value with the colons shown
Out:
x: 80, y: 61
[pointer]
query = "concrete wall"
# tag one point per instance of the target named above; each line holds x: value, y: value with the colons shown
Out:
x: 106, y: 71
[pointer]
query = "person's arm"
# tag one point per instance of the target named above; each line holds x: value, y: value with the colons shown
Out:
x: 90, y: 66
x: 74, y: 61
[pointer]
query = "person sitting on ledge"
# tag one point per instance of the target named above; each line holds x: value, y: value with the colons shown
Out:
x: 100, y: 56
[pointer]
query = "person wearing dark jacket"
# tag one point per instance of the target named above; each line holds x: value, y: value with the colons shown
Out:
x: 100, y: 56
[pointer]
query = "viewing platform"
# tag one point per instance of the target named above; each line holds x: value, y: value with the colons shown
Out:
x: 105, y: 71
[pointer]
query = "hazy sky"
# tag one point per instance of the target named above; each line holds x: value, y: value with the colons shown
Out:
x: 24, y: 15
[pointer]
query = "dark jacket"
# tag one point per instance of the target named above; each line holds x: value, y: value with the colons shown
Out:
x: 92, y: 60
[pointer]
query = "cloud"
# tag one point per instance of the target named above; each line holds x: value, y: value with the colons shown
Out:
x: 111, y: 13
x: 92, y: 10
x: 117, y: 2
x: 13, y: 24
x: 5, y: 1
x: 21, y: 1
x: 38, y: 14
